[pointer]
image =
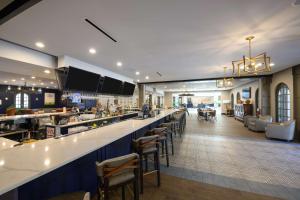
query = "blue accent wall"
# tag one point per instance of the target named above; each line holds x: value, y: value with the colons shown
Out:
x: 36, y: 100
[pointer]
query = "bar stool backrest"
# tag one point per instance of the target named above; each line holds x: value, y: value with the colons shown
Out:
x: 117, y: 166
x: 146, y: 142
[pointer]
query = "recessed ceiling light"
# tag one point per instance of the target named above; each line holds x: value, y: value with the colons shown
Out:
x: 5, y: 81
x: 33, y: 84
x: 13, y: 80
x: 272, y: 64
x: 92, y: 51
x: 47, y: 87
x: 33, y: 77
x: 42, y: 83
x: 52, y: 82
x: 40, y: 44
x: 22, y: 79
x: 47, y: 71
x: 137, y: 73
x: 147, y: 77
x: 119, y: 64
x: 138, y: 80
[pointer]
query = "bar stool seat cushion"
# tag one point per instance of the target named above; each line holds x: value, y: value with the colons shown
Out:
x: 121, y: 177
x: 149, y: 150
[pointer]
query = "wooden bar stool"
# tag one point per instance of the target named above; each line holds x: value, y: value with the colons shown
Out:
x: 80, y: 195
x: 118, y: 172
x: 170, y: 131
x: 163, y: 139
x: 146, y: 146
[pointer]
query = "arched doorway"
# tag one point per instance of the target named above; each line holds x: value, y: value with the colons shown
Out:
x: 256, y: 99
x: 232, y: 101
x: 283, y: 103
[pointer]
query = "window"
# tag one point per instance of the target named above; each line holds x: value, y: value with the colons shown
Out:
x: 18, y: 100
x: 22, y: 100
x: 25, y: 101
x: 283, y: 103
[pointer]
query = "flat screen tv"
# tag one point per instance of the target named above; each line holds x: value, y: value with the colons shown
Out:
x: 128, y: 89
x: 76, y: 98
x: 246, y: 93
x: 80, y: 80
x: 111, y: 86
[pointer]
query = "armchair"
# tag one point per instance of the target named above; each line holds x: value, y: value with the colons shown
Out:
x: 284, y: 131
x: 247, y: 118
x: 259, y: 124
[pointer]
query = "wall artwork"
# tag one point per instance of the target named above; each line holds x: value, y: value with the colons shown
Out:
x: 49, y: 99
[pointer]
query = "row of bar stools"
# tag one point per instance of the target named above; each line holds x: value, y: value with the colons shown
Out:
x: 146, y: 146
x: 118, y: 172
x: 163, y: 140
x: 177, y: 119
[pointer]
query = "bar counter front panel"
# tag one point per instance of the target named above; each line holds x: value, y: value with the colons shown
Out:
x: 54, y: 166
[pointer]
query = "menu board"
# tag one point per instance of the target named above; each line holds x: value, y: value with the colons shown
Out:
x: 49, y: 99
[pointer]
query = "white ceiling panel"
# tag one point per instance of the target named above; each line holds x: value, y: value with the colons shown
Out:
x: 181, y: 39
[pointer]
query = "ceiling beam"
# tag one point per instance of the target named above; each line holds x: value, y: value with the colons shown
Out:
x: 14, y: 8
x: 205, y: 79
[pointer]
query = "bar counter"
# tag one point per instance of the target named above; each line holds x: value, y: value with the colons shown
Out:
x: 29, y: 166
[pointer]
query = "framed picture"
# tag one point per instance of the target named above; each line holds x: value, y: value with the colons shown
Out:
x: 49, y: 99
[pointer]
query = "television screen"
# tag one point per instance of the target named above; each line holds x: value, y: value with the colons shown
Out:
x: 128, y: 89
x: 76, y: 98
x: 111, y: 86
x: 246, y: 94
x: 80, y: 80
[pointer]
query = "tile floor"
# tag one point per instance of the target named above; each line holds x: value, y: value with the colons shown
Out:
x: 225, y: 153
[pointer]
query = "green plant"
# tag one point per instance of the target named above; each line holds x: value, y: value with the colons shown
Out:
x: 11, y: 107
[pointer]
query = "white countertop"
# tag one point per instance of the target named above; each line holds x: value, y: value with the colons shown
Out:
x: 6, y: 143
x: 22, y: 164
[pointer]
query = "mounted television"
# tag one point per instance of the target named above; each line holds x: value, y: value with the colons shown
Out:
x: 111, y: 86
x: 128, y: 89
x: 76, y: 98
x: 246, y: 93
x: 80, y: 80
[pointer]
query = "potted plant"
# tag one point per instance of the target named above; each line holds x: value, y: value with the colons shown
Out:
x: 11, y: 110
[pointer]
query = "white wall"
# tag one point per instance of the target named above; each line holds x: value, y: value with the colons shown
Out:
x: 168, y: 99
x: 66, y: 61
x: 225, y: 96
x: 286, y: 77
x: 26, y: 55
x: 254, y: 86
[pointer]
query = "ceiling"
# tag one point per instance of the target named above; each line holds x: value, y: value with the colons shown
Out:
x: 20, y: 74
x: 197, y: 86
x: 190, y: 39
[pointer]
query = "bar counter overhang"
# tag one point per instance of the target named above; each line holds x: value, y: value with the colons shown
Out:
x: 53, y: 166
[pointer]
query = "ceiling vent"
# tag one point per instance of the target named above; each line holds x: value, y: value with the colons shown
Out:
x: 296, y: 3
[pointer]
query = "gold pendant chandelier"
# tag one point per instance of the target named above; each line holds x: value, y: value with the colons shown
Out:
x: 252, y: 65
x: 225, y: 82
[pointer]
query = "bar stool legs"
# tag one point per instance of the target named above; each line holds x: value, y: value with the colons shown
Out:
x: 164, y: 147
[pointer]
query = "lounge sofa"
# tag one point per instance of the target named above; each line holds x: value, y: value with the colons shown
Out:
x: 283, y: 131
x: 259, y: 124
